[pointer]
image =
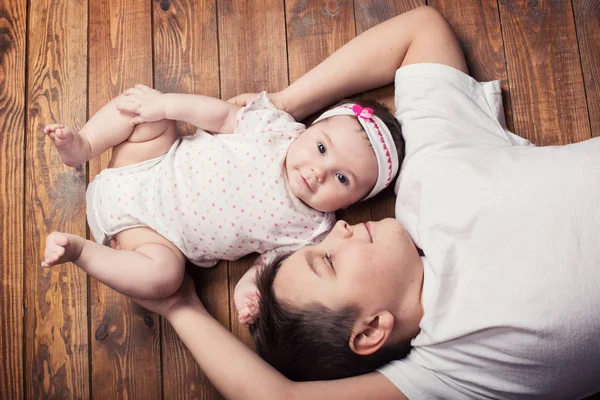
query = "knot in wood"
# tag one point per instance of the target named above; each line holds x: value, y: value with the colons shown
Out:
x: 101, y: 332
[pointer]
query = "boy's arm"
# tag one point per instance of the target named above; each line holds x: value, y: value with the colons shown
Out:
x: 239, y: 373
x: 208, y: 113
x: 371, y: 59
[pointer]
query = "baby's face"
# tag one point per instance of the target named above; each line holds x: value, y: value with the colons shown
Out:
x: 332, y: 164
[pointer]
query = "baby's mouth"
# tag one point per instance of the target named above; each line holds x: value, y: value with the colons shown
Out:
x: 306, y: 182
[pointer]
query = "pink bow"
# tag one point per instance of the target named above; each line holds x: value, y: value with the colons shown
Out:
x: 364, y: 113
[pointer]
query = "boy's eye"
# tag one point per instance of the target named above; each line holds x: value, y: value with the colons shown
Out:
x: 321, y: 148
x: 342, y: 178
x: 328, y: 258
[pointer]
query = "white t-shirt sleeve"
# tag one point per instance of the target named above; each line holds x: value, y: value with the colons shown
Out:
x: 420, y: 383
x: 417, y: 382
x: 441, y: 107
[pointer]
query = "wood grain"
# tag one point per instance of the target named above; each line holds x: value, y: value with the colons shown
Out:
x: 316, y: 29
x: 587, y: 23
x: 477, y: 26
x: 186, y: 60
x: 56, y: 335
x: 252, y: 59
x: 125, y: 340
x: 13, y: 18
x: 544, y: 71
x: 252, y: 50
x: 369, y: 14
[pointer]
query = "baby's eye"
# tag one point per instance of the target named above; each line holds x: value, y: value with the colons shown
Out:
x: 321, y: 148
x: 342, y: 178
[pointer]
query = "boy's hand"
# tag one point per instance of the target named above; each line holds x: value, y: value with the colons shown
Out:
x: 184, y: 297
x: 148, y: 104
x: 243, y: 99
x: 246, y: 298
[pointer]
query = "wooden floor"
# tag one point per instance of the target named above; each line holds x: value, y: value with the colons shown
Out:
x: 63, y: 335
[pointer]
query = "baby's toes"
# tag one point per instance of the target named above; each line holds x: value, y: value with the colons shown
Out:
x: 52, y: 127
x: 57, y: 253
x: 61, y: 240
x: 63, y: 134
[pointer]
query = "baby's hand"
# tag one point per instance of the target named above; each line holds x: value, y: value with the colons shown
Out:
x: 148, y: 104
x: 246, y: 298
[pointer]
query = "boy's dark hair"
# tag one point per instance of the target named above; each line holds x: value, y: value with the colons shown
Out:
x: 312, y: 343
x: 384, y: 113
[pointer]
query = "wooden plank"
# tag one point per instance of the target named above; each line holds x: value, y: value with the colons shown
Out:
x: 544, y: 71
x: 252, y: 58
x: 186, y: 60
x: 56, y: 334
x: 369, y: 14
x: 315, y: 30
x: 125, y: 339
x: 477, y: 26
x: 587, y: 22
x: 13, y: 16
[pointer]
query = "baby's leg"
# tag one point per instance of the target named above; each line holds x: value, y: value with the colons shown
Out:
x: 107, y: 128
x: 153, y: 269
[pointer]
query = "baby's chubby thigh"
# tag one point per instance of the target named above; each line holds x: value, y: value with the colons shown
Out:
x: 133, y: 238
x: 147, y: 141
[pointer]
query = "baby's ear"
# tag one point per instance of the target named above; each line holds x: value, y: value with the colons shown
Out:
x: 370, y: 335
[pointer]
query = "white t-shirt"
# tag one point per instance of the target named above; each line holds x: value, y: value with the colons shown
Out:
x: 511, y: 237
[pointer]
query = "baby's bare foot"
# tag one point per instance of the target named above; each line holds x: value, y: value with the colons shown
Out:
x: 72, y: 147
x: 62, y: 248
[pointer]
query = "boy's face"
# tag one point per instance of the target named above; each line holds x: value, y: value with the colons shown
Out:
x: 373, y: 266
x: 331, y: 165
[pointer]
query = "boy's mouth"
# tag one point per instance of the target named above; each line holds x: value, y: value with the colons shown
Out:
x: 368, y: 227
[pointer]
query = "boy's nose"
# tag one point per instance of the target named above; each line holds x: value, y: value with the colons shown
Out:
x: 343, y: 229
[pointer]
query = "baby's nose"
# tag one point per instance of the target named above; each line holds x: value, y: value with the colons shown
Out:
x: 318, y: 174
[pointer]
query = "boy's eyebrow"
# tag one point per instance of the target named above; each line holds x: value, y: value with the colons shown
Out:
x: 308, y: 257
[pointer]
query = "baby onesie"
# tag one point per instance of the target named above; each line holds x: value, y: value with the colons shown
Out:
x: 214, y: 196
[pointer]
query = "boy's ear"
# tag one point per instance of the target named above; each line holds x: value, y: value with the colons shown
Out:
x: 370, y: 335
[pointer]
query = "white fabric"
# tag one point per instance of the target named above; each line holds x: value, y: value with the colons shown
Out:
x: 511, y: 236
x: 381, y: 140
x: 214, y: 196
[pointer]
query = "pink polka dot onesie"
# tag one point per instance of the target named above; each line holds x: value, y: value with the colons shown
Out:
x: 214, y: 196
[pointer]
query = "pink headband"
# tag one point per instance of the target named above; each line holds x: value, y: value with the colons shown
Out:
x: 380, y: 137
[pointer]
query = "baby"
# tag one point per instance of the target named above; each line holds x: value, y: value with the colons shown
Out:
x: 271, y: 187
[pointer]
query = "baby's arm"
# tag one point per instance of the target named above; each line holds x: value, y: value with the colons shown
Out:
x: 209, y: 113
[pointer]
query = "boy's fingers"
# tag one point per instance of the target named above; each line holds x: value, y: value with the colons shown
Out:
x: 142, y: 87
x: 237, y: 100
